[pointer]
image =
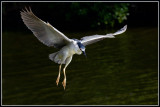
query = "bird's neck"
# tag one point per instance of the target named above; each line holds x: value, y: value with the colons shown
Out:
x: 74, y: 48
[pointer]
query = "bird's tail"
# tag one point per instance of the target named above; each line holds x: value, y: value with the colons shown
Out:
x: 52, y: 56
x: 55, y: 58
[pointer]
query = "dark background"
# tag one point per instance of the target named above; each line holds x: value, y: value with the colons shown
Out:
x: 81, y: 16
x: 119, y: 71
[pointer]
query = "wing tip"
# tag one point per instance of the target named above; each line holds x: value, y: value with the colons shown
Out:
x: 125, y: 27
x: 122, y: 30
x: 26, y: 10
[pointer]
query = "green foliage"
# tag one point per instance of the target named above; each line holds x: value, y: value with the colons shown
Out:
x: 74, y: 14
x: 99, y: 13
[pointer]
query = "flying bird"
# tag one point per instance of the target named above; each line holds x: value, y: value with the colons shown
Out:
x: 50, y: 36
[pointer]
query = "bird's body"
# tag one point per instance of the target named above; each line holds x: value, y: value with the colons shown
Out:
x: 51, y: 37
x: 66, y: 52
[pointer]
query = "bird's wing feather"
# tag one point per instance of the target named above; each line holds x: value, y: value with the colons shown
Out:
x: 95, y: 38
x: 45, y: 32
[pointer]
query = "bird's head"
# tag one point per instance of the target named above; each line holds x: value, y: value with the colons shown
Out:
x: 82, y: 48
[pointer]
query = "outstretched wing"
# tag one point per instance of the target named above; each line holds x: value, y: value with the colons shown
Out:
x: 45, y: 32
x: 95, y: 38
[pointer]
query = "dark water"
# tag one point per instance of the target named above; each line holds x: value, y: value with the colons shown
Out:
x: 120, y: 71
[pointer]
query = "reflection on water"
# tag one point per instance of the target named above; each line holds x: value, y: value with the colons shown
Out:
x: 117, y: 71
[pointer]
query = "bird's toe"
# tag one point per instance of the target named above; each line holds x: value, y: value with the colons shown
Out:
x: 64, y: 84
x: 57, y: 81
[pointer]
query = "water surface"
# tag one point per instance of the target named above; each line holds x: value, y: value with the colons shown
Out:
x: 119, y: 71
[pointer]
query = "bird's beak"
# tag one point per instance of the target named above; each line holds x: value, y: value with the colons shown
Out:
x: 84, y: 53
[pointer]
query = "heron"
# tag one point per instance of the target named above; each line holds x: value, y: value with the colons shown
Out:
x: 51, y: 37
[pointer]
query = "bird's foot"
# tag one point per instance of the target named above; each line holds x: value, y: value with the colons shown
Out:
x: 57, y: 81
x: 64, y: 83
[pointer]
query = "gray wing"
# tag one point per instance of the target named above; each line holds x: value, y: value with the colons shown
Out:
x: 95, y: 38
x: 45, y: 32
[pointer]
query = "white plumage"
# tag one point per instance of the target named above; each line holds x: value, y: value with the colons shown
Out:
x: 51, y: 37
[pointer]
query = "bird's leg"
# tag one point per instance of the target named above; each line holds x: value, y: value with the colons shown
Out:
x: 64, y: 81
x: 57, y: 81
x: 68, y: 60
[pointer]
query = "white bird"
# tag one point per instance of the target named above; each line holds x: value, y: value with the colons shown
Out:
x: 51, y: 37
